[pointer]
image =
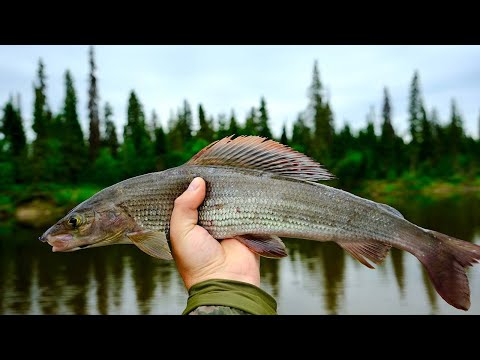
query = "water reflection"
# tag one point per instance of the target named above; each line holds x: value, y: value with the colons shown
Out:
x: 398, y: 269
x: 316, y: 278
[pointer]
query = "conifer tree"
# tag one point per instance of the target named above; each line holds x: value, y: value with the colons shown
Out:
x: 284, y: 138
x: 137, y: 148
x: 414, y: 119
x: 233, y: 128
x: 322, y: 119
x: 94, y: 137
x: 110, y: 138
x: 455, y: 132
x: 251, y: 123
x: 301, y: 136
x: 263, y: 129
x: 427, y: 142
x: 73, y: 144
x: 14, y: 141
x: 222, y: 126
x: 388, y: 139
x: 205, y: 131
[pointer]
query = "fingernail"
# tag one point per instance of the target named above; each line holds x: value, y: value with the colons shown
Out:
x: 193, y: 185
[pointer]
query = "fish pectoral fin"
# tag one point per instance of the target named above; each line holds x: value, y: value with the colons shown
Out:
x: 372, y: 250
x: 154, y: 243
x: 270, y: 246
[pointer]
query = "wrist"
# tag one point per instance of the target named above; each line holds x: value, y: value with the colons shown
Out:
x: 231, y: 293
x: 249, y: 279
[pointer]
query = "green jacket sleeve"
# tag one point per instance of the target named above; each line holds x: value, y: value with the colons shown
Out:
x: 219, y: 295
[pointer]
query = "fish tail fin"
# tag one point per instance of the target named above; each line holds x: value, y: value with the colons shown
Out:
x: 445, y: 261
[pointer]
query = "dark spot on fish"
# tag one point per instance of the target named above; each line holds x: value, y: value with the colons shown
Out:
x: 238, y: 209
x: 218, y: 206
x: 83, y: 246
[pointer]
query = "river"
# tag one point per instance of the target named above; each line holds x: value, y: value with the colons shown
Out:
x: 316, y: 278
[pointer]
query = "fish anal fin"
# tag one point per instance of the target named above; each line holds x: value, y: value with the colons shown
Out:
x: 372, y: 250
x: 255, y: 152
x: 153, y: 243
x: 269, y: 246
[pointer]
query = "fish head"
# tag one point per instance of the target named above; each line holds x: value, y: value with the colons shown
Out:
x: 92, y: 223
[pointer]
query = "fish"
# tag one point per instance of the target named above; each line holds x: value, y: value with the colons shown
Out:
x: 258, y: 191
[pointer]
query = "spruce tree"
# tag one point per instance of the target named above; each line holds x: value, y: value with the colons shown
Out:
x: 205, y: 132
x: 94, y: 137
x: 455, y: 132
x: 14, y: 142
x: 73, y: 144
x: 284, y: 138
x: 233, y: 128
x: 13, y: 131
x: 40, y: 125
x: 414, y: 119
x: 322, y: 119
x: 387, y: 145
x: 180, y: 130
x: 137, y: 148
x: 427, y: 141
x: 263, y: 129
x: 367, y: 140
x: 251, y: 123
x: 135, y: 129
x: 222, y: 126
x: 110, y: 138
x: 301, y: 136
x: 160, y: 147
x: 186, y: 120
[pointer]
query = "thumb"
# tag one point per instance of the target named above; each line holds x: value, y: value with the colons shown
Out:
x: 185, y: 213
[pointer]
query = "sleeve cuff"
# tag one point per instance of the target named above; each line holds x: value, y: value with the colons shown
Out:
x: 236, y: 294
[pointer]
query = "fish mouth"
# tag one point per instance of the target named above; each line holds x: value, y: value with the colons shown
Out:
x: 60, y: 242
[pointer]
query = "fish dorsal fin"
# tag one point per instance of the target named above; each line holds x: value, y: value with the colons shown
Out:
x: 391, y: 210
x: 255, y: 152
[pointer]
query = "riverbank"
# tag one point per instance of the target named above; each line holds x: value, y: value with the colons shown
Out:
x: 394, y: 191
x: 40, y: 205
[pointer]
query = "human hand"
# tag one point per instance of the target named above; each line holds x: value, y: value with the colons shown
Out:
x: 198, y: 255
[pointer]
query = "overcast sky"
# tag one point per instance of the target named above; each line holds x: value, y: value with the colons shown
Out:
x: 235, y: 77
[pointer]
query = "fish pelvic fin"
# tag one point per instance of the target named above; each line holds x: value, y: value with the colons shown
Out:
x: 153, y: 243
x: 255, y: 152
x: 373, y: 250
x: 445, y: 263
x: 269, y: 246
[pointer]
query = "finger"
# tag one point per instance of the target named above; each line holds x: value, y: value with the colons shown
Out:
x: 185, y: 213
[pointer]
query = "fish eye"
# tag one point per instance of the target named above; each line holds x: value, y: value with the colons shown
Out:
x: 75, y: 221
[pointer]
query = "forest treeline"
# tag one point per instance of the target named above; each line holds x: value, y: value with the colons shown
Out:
x: 62, y: 153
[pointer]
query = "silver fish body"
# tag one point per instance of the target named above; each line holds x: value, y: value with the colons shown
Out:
x: 245, y: 201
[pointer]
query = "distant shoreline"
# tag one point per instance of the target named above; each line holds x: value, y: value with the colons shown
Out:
x: 393, y: 191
